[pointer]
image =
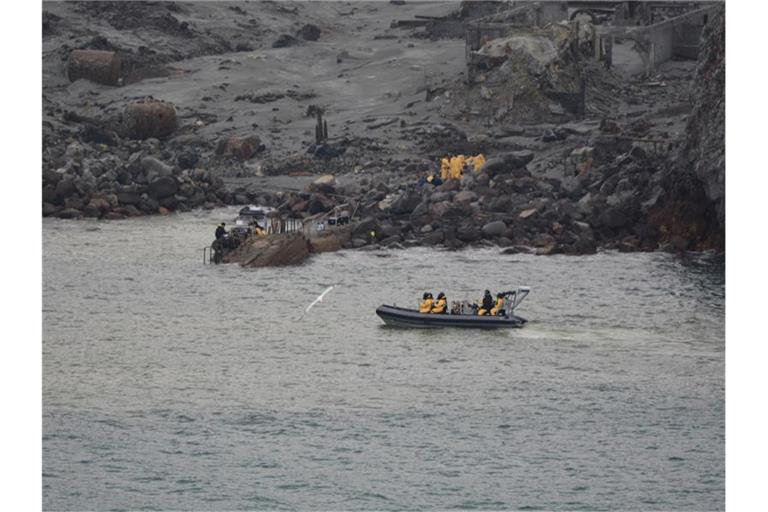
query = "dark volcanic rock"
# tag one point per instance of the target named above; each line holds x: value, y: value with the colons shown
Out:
x: 126, y: 198
x: 309, y: 32
x: 65, y: 188
x: 468, y: 233
x: 465, y: 196
x: 163, y: 187
x: 284, y: 41
x: 406, y: 203
x: 494, y: 229
x: 69, y: 213
x: 49, y: 209
x: 507, y: 162
x: 187, y: 159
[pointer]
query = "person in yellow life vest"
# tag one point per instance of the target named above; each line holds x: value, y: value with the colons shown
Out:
x: 257, y: 230
x: 457, y: 167
x: 441, y: 306
x: 478, y: 161
x: 499, y: 304
x: 487, y: 304
x: 426, y: 303
x: 445, y: 169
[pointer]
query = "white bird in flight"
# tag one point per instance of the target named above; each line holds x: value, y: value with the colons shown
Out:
x: 318, y: 299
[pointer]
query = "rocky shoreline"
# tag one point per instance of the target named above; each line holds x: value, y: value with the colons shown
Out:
x: 113, y: 152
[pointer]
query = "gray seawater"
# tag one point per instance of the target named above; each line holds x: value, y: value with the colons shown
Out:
x: 169, y: 384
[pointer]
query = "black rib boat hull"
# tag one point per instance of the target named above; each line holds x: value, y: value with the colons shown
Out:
x: 401, y: 317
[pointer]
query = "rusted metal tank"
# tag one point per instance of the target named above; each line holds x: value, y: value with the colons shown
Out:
x: 149, y: 118
x: 98, y: 66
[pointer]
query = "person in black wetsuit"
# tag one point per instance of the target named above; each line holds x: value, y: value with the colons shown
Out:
x: 220, y: 231
x: 487, y: 304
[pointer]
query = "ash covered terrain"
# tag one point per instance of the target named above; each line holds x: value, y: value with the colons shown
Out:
x: 601, y: 127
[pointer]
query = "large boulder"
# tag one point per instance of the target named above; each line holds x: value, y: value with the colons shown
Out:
x: 69, y: 213
x: 507, y: 162
x: 65, y: 188
x: 468, y: 233
x: 309, y: 32
x: 439, y: 210
x: 318, y: 204
x: 494, y: 229
x: 465, y: 196
x: 615, y: 217
x: 52, y: 177
x: 49, y: 194
x: 405, y: 203
x: 154, y: 168
x: 163, y: 187
x: 325, y: 184
x: 128, y: 197
x: 49, y: 209
x: 365, y: 227
x: 96, y: 207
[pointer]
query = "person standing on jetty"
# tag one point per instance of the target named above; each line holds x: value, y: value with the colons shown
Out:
x: 221, y: 231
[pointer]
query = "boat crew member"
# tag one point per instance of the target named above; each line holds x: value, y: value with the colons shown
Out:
x: 441, y: 305
x: 426, y: 304
x: 220, y: 231
x: 499, y: 304
x: 258, y: 231
x: 487, y: 304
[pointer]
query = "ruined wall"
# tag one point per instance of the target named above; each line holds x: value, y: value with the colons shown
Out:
x: 662, y: 43
x: 686, y: 40
x: 676, y: 37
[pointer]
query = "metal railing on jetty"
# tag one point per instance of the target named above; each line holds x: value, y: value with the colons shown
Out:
x: 336, y: 218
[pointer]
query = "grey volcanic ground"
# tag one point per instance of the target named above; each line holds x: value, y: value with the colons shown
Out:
x: 358, y: 76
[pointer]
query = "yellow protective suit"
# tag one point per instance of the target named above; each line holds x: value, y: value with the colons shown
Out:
x: 457, y: 167
x: 426, y: 306
x: 499, y: 304
x: 478, y: 161
x: 440, y: 306
x: 445, y: 169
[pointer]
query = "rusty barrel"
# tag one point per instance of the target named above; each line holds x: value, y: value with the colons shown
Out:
x: 149, y: 118
x: 98, y: 66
